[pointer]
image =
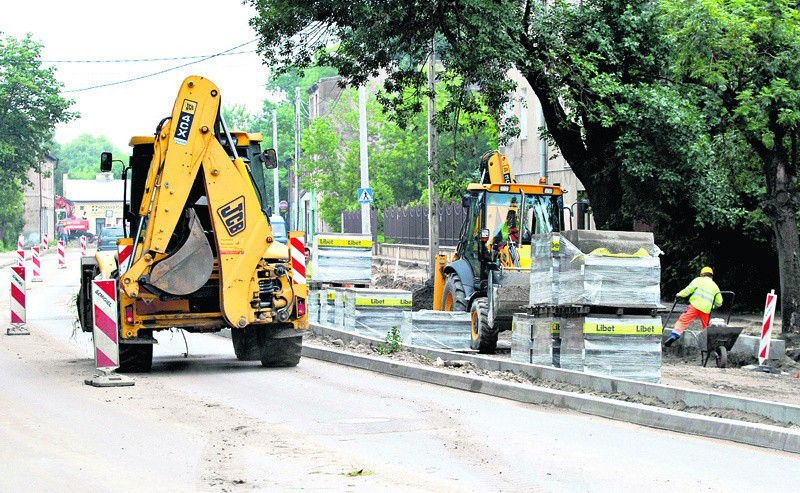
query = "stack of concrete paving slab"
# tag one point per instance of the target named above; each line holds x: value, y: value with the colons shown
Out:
x: 536, y: 338
x: 373, y: 312
x: 604, y: 287
x: 436, y: 329
x: 342, y: 258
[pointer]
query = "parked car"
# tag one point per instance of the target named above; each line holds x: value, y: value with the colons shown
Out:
x: 278, y: 228
x: 108, y: 237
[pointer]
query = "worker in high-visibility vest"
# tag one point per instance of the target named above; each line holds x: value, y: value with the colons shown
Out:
x: 307, y: 253
x: 704, y: 296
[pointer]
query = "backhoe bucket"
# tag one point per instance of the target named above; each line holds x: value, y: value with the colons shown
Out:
x: 187, y: 269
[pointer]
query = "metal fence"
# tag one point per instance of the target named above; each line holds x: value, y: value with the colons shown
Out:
x: 409, y: 224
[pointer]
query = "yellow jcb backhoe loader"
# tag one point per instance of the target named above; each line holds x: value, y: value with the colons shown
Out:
x: 204, y: 257
x: 489, y: 273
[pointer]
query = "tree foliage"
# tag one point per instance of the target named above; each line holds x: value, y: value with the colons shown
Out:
x: 80, y: 159
x: 30, y: 108
x: 744, y: 57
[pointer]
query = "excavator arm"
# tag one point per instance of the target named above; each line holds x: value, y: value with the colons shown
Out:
x: 186, y: 147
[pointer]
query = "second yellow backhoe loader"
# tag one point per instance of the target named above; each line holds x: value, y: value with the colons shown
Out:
x: 203, y: 254
x: 489, y: 273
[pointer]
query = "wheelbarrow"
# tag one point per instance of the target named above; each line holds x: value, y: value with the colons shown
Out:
x: 718, y: 337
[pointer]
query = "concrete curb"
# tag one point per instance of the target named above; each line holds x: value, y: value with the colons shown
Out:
x: 780, y: 413
x: 766, y: 436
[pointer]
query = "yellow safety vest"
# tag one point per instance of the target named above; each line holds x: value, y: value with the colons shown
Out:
x: 703, y: 294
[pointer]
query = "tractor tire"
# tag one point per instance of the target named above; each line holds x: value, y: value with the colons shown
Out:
x: 245, y: 344
x: 279, y: 352
x: 454, y: 298
x: 484, y: 337
x: 135, y: 358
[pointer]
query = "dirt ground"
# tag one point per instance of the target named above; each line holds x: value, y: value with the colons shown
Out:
x: 678, y: 370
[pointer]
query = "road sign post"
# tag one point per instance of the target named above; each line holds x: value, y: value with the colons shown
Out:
x: 365, y: 195
x: 106, y: 335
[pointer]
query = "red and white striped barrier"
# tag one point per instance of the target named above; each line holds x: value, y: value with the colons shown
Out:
x: 62, y: 260
x: 766, y: 326
x: 298, y: 252
x: 45, y: 241
x: 83, y: 246
x: 37, y: 265
x: 106, y: 336
x: 17, y: 302
x: 20, y: 251
x: 124, y: 257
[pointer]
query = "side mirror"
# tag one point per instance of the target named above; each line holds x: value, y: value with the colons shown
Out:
x: 269, y: 158
x: 105, y: 162
x: 466, y: 201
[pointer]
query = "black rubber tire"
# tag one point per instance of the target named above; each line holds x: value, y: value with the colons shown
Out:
x: 454, y: 298
x: 484, y: 338
x: 277, y: 352
x: 245, y: 344
x: 722, y: 357
x: 135, y: 358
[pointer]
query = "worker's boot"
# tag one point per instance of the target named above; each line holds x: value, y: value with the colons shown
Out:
x: 672, y: 338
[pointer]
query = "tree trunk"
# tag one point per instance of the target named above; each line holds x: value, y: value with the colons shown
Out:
x: 781, y: 206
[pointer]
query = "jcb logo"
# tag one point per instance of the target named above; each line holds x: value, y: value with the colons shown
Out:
x: 184, y: 123
x: 232, y: 215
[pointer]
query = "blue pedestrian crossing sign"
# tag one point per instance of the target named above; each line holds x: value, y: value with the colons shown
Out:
x: 365, y: 196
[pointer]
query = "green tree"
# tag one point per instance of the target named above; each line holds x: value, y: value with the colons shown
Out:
x: 80, y: 159
x: 746, y: 55
x: 591, y: 64
x: 30, y: 108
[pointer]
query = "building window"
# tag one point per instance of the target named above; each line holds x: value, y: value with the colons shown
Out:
x: 523, y: 114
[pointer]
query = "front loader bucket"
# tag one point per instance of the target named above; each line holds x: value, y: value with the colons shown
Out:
x: 188, y: 268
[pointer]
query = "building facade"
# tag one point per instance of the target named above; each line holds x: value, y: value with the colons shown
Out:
x: 39, y: 210
x: 99, y: 201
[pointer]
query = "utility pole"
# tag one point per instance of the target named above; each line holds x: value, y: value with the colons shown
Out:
x: 275, y: 197
x: 366, y: 227
x: 295, y: 209
x: 433, y: 168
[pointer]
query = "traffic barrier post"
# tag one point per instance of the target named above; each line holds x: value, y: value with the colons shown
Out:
x: 18, y: 315
x: 83, y: 246
x: 62, y: 261
x: 36, y: 263
x: 124, y: 251
x: 20, y: 251
x: 298, y: 253
x: 766, y: 327
x: 106, y: 335
x: 45, y: 241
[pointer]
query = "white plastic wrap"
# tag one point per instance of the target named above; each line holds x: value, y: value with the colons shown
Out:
x: 437, y: 329
x: 618, y: 269
x: 535, y: 339
x: 373, y: 312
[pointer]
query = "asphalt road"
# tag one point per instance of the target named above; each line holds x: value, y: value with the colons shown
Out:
x: 207, y: 422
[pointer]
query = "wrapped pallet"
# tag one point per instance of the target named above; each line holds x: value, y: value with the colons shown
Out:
x: 436, y: 329
x: 535, y: 338
x: 373, y: 312
x: 609, y: 268
x: 342, y: 258
x: 545, y: 261
x: 623, y: 347
x: 571, y: 352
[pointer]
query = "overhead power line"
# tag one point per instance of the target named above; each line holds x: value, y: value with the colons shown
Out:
x: 133, y: 79
x: 136, y: 60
